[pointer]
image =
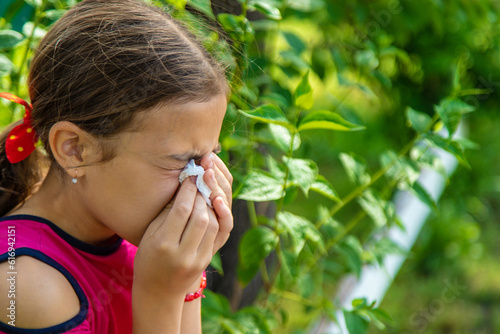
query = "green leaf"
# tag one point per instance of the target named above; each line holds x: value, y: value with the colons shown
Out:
x: 355, y: 324
x: 295, y: 42
x: 203, y: 6
x: 28, y: 28
x: 383, y: 247
x: 34, y: 3
x: 330, y: 227
x: 366, y: 59
x: 300, y: 230
x: 303, y: 172
x: 425, y: 158
x: 268, y: 114
x: 355, y: 168
x: 259, y: 186
x: 353, y: 253
x: 359, y: 303
x: 216, y: 263
x: 291, y: 195
x: 255, y: 246
x: 323, y: 119
x: 248, y: 94
x: 292, y: 59
x: 274, y: 168
x: 256, y: 320
x: 455, y: 90
x: 451, y: 110
x: 237, y: 27
x: 323, y: 186
x: 9, y: 38
x: 267, y: 9
x: 403, y: 171
x: 392, y: 216
x: 178, y: 4
x: 215, y: 303
x: 468, y: 144
x: 368, y: 313
x: 306, y: 5
x: 450, y: 146
x: 54, y: 14
x: 424, y: 196
x: 374, y: 206
x: 283, y: 137
x: 381, y: 315
x: 420, y: 121
x: 6, y: 66
x: 13, y: 9
x: 304, y: 94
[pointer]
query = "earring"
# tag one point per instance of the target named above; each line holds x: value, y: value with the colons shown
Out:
x: 75, y: 180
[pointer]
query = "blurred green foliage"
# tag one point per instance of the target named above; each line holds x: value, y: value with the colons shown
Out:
x: 336, y: 105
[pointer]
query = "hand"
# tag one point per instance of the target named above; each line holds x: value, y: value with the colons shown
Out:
x: 177, y: 246
x: 219, y: 180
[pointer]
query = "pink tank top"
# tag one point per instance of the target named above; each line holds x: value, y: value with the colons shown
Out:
x: 101, y: 276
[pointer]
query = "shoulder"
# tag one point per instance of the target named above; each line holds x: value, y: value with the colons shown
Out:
x: 43, y: 297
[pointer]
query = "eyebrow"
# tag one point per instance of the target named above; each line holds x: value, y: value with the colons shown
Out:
x: 193, y: 156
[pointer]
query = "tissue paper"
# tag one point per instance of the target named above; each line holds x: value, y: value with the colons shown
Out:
x: 193, y: 169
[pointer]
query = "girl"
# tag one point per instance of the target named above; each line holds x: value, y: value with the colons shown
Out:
x: 123, y: 97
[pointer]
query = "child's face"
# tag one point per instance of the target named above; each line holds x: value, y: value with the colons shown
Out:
x: 127, y: 193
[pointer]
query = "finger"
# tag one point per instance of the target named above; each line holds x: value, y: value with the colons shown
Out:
x: 222, y: 167
x: 207, y: 244
x: 224, y: 184
x: 225, y: 219
x: 212, y: 183
x: 197, y: 225
x: 178, y: 215
x: 207, y: 162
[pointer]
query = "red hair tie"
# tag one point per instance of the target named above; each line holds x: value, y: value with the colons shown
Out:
x: 23, y: 138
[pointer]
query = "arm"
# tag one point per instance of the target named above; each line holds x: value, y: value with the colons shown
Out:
x: 36, y: 283
x: 175, y: 249
x: 191, y: 314
x: 221, y: 197
x: 151, y: 315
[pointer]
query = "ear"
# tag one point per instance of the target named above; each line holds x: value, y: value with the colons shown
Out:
x: 73, y: 147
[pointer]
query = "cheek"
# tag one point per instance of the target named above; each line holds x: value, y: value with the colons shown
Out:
x: 128, y: 200
x: 157, y: 192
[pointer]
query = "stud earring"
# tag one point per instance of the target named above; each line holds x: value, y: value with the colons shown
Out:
x: 75, y: 180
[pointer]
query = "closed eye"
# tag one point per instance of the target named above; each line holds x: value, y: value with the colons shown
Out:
x: 217, y: 149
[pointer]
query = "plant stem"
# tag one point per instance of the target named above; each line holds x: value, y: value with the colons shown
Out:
x: 287, y: 173
x: 252, y: 214
x: 353, y: 222
x: 378, y: 174
x: 244, y: 8
x: 295, y: 297
x: 265, y: 276
x: 280, y: 207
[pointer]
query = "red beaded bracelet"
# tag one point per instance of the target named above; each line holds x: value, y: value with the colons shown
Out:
x: 203, y: 284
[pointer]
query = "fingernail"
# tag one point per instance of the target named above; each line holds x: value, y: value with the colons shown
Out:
x: 193, y: 179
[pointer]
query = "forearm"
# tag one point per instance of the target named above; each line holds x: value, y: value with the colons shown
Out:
x: 154, y: 315
x: 191, y: 317
x: 191, y: 314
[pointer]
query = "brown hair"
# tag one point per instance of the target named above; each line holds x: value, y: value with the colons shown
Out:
x: 100, y: 64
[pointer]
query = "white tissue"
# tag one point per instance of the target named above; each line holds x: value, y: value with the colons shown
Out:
x: 193, y: 169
